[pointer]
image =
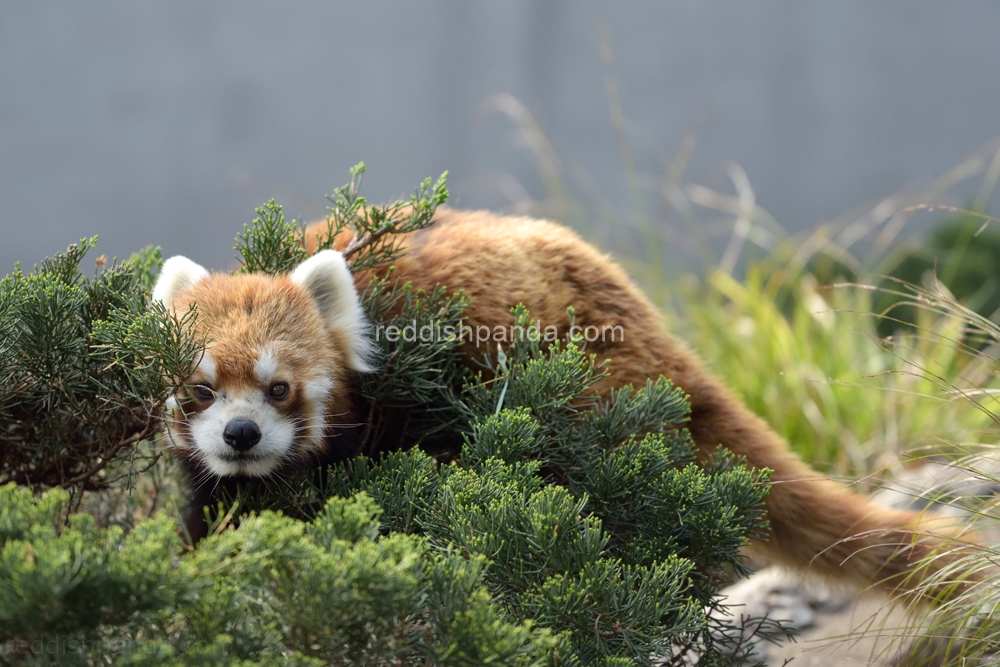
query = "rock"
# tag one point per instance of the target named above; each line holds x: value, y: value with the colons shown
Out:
x: 783, y: 595
x: 837, y: 626
x: 950, y: 488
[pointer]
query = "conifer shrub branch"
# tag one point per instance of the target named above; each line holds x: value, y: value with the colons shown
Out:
x: 378, y: 229
x: 85, y: 366
x: 269, y: 244
x: 272, y: 245
x: 275, y: 591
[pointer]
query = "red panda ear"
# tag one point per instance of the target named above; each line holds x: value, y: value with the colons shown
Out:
x: 328, y: 280
x: 178, y: 274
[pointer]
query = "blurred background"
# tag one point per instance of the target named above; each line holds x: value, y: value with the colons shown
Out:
x: 167, y: 123
x: 803, y: 188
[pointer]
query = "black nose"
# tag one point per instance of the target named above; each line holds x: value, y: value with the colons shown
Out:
x: 241, y: 434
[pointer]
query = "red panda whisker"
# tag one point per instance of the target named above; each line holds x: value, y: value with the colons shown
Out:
x: 346, y: 425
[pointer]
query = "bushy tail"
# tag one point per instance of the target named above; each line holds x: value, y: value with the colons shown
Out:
x: 819, y: 525
x: 822, y: 527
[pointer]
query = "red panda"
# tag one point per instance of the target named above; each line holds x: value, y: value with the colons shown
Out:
x: 274, y: 389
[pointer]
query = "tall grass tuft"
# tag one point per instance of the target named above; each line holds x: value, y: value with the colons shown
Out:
x: 864, y: 375
x: 810, y: 360
x: 965, y: 630
x: 803, y: 327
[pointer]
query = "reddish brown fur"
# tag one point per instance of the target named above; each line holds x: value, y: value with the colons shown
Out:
x: 499, y: 261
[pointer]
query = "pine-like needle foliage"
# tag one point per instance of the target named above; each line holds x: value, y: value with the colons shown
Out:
x: 377, y: 230
x: 85, y: 365
x: 596, y: 522
x: 274, y: 592
x: 505, y: 517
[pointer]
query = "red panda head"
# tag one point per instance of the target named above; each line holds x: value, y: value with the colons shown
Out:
x: 275, y: 374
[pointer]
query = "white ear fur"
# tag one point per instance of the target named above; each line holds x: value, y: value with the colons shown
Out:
x: 178, y: 273
x: 328, y: 280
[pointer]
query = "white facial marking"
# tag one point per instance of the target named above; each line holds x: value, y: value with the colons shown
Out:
x: 207, y: 367
x: 316, y: 392
x: 266, y: 366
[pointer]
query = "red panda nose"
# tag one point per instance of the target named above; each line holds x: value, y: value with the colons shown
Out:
x: 241, y: 434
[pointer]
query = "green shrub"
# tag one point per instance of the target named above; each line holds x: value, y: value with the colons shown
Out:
x: 276, y: 590
x: 535, y: 524
x: 963, y: 252
x: 85, y: 366
x: 811, y: 361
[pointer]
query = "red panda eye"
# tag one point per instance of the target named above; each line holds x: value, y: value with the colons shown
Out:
x: 204, y: 392
x: 278, y: 391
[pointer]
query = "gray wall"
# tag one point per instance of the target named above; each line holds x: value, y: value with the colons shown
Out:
x: 168, y: 122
